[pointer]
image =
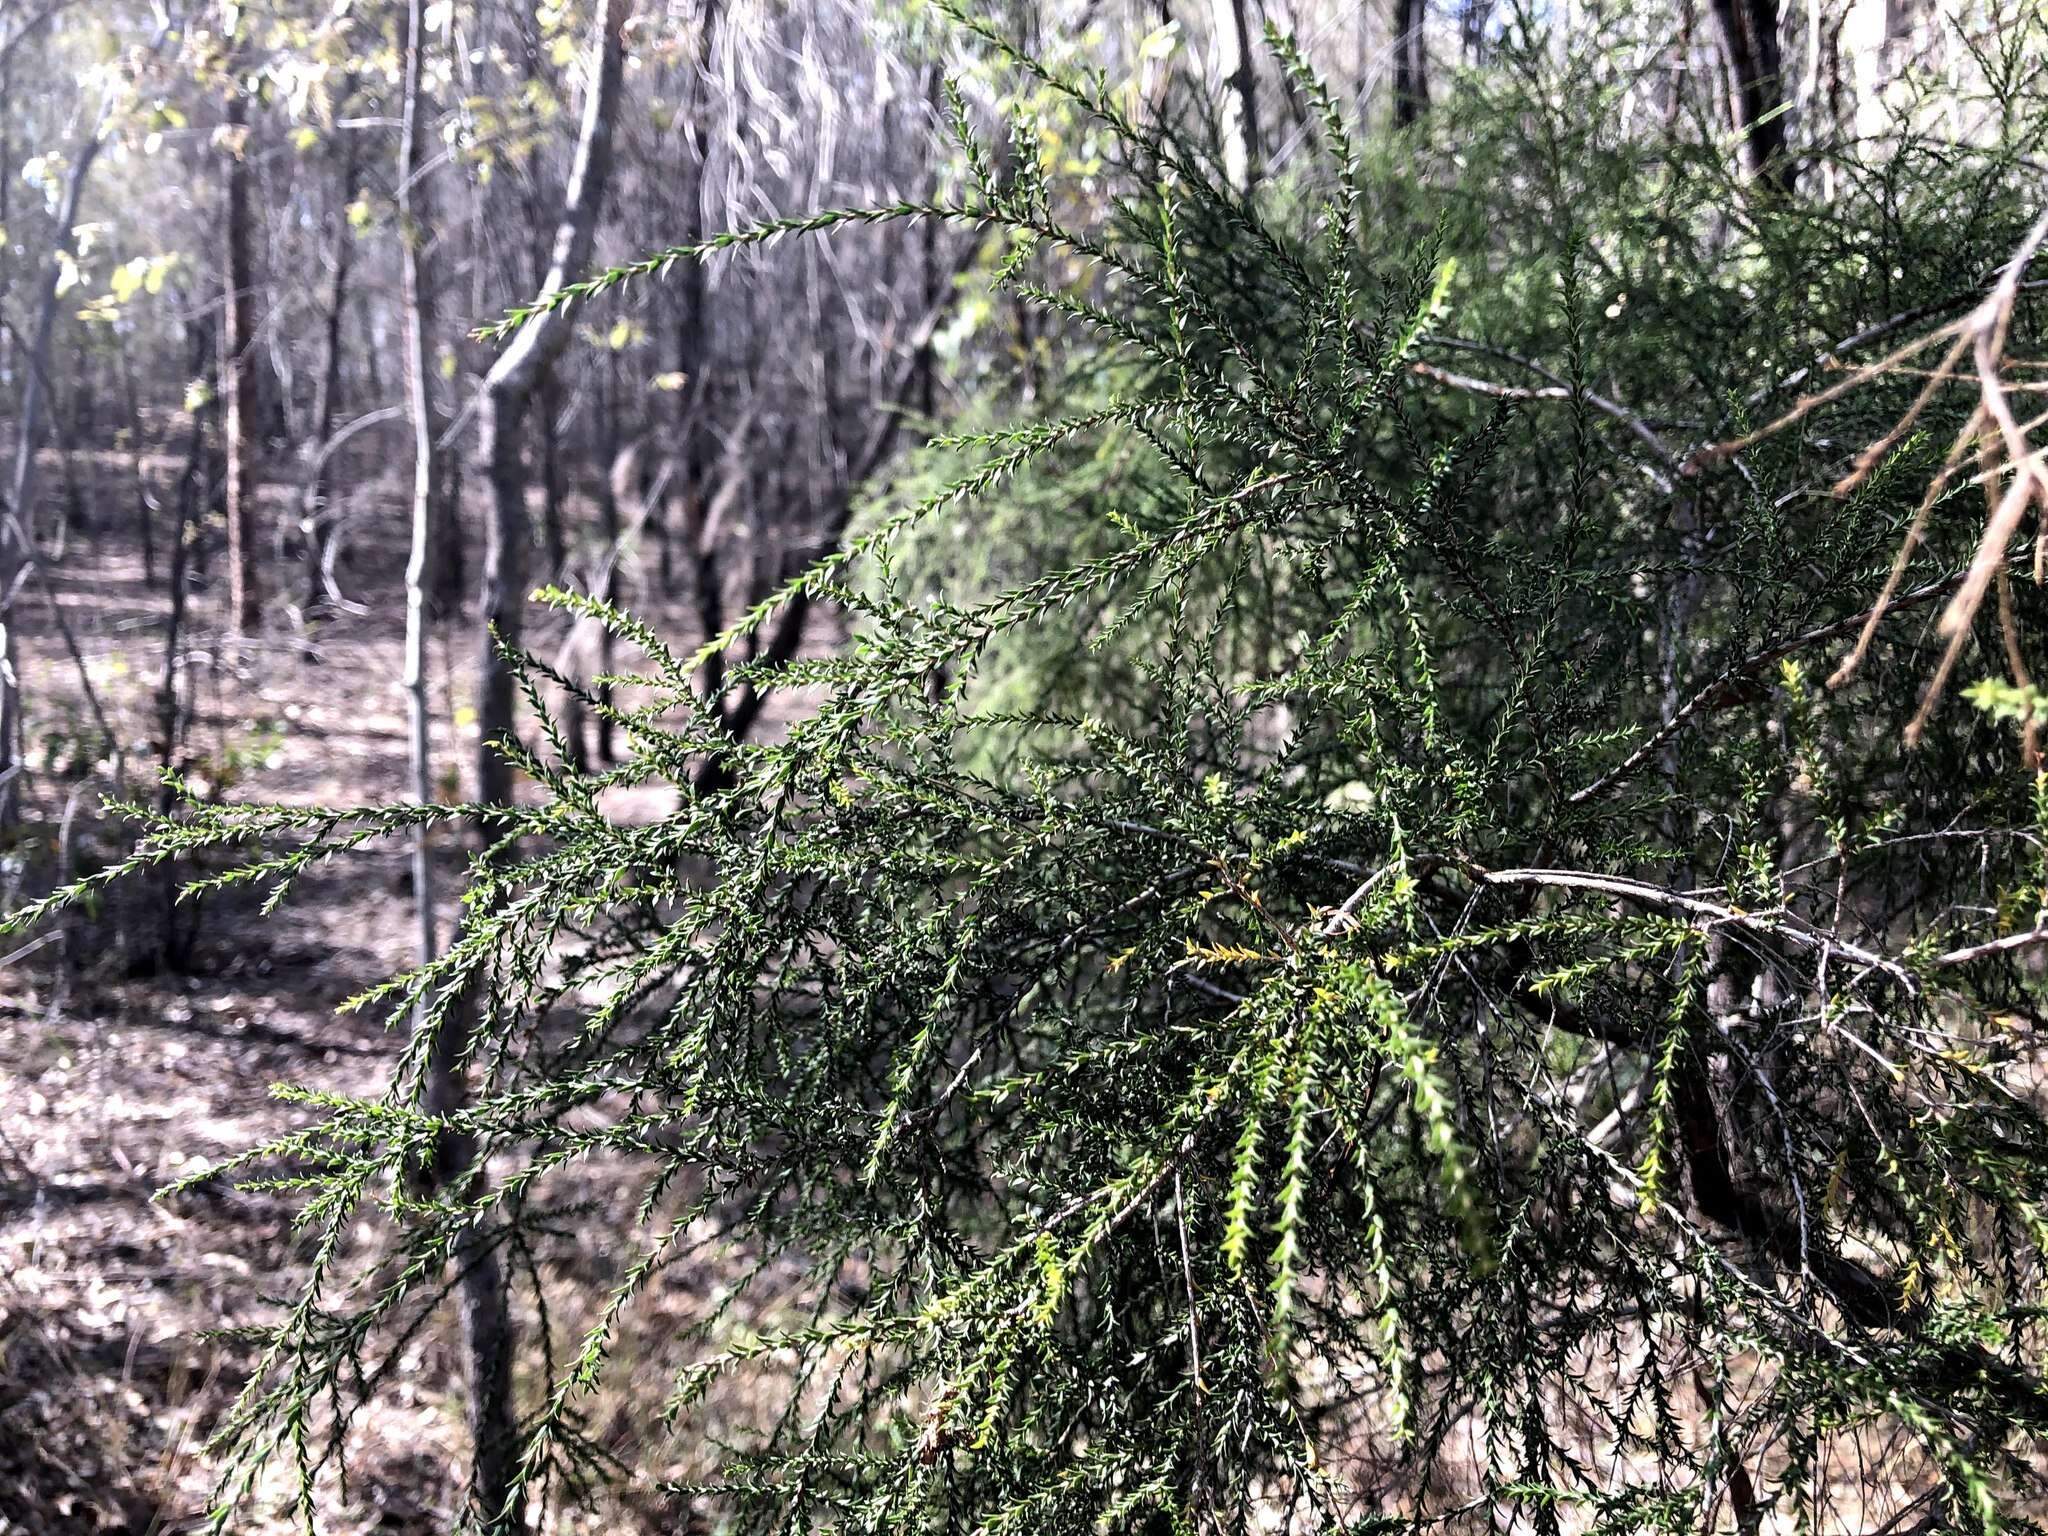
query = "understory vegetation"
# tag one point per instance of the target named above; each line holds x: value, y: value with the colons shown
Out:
x: 1414, y: 901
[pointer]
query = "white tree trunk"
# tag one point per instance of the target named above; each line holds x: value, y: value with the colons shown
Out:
x: 481, y: 1287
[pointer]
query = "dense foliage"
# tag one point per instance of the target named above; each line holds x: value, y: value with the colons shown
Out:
x: 1323, y: 957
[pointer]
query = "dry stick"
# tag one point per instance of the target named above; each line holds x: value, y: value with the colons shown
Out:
x: 1558, y: 390
x: 1711, y: 453
x: 1962, y: 608
x: 1655, y: 895
x: 316, y: 473
x: 1936, y: 488
x: 1994, y: 323
x: 2016, y: 664
x: 1643, y: 425
x: 2012, y: 365
x: 2008, y: 626
x: 32, y: 569
x: 2030, y: 425
x: 109, y: 740
x: 2010, y: 386
x: 1986, y: 329
x: 1832, y: 358
x: 1995, y: 509
x: 1989, y: 947
x: 1867, y: 460
x: 1487, y: 387
x: 1989, y: 325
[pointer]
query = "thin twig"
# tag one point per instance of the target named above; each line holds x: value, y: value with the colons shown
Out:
x: 1714, y: 692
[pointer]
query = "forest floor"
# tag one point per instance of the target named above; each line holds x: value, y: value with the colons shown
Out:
x: 117, y: 1076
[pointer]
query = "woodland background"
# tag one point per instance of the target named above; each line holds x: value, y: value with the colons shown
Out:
x: 244, y: 251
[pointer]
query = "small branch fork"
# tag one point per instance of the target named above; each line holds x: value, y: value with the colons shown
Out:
x: 2003, y: 448
x: 1774, y: 921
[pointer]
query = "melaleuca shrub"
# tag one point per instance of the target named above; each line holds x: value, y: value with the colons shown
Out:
x: 1349, y: 975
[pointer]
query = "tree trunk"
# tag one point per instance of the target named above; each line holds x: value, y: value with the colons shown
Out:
x: 691, y: 398
x: 692, y: 332
x: 314, y: 529
x: 1240, y: 112
x: 145, y: 503
x: 508, y: 396
x: 508, y: 392
x: 1473, y: 15
x: 178, y: 923
x: 482, y: 1290
x: 416, y: 291
x: 610, y: 530
x: 17, y: 517
x: 925, y: 389
x: 1756, y: 87
x: 1411, y: 62
x: 238, y: 376
x: 553, y: 493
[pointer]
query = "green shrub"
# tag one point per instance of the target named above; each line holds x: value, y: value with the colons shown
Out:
x: 1322, y: 960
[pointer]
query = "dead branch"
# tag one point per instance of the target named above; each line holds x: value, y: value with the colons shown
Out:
x: 2012, y: 470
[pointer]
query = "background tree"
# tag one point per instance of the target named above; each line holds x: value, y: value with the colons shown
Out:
x: 238, y: 354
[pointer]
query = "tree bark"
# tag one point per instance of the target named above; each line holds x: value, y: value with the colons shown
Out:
x: 692, y: 331
x: 481, y: 1286
x: 238, y: 375
x: 178, y: 923
x: 508, y: 392
x: 508, y: 397
x: 925, y: 390
x: 610, y: 530
x: 1234, y: 41
x: 1411, y: 62
x: 1748, y: 31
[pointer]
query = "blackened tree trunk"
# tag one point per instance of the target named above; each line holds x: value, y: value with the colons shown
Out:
x: 1473, y: 15
x: 925, y: 389
x: 1411, y: 62
x: 611, y: 531
x: 692, y: 329
x: 1748, y: 32
x: 238, y: 374
x: 178, y: 922
x: 691, y: 397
